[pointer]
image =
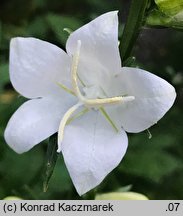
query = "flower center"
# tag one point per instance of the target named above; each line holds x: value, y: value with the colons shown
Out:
x: 91, y: 103
x: 98, y: 103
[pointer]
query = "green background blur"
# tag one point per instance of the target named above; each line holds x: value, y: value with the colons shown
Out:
x: 152, y: 166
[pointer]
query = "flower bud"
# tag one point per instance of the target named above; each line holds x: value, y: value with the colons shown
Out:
x: 168, y: 14
x: 121, y: 196
x: 12, y: 198
x: 169, y: 7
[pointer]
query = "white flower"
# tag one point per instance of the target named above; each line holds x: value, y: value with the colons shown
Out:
x: 86, y: 96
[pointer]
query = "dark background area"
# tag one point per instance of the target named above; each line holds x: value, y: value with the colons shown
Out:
x: 152, y: 166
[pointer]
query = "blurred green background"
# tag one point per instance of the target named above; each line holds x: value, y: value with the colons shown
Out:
x: 152, y: 166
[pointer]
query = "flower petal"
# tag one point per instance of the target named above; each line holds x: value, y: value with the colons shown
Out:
x: 35, y: 121
x: 99, y: 56
x: 92, y: 149
x: 153, y: 98
x: 37, y: 66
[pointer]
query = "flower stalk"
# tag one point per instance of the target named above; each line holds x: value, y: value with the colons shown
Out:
x: 132, y: 28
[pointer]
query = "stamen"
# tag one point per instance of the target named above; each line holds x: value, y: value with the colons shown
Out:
x: 92, y: 102
x: 64, y: 122
x: 102, y: 110
x: 81, y: 81
x: 66, y: 89
x: 77, y: 115
x: 88, y: 103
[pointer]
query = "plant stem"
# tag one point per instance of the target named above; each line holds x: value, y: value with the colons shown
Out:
x: 132, y: 27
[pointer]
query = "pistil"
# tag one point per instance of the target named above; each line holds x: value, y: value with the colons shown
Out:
x: 98, y: 103
x: 94, y: 103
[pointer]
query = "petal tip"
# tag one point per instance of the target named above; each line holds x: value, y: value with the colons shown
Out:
x: 8, y: 139
x: 113, y: 15
x: 81, y: 190
x: 15, y: 40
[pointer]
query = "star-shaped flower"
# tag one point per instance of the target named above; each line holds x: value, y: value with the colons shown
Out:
x: 84, y: 95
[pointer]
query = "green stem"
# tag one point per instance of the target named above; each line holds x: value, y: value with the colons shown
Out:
x: 132, y: 27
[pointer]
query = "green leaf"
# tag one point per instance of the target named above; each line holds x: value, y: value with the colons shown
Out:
x: 1, y: 32
x: 4, y: 75
x: 51, y: 160
x: 150, y: 158
x: 38, y: 27
x: 17, y: 170
x: 60, y: 178
x: 10, y: 31
x: 58, y: 23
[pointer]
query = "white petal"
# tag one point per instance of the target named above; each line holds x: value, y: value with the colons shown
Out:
x: 153, y: 98
x: 36, y: 66
x: 99, y: 56
x: 35, y: 121
x: 92, y: 149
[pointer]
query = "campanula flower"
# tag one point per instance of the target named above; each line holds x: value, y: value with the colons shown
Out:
x: 86, y: 96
